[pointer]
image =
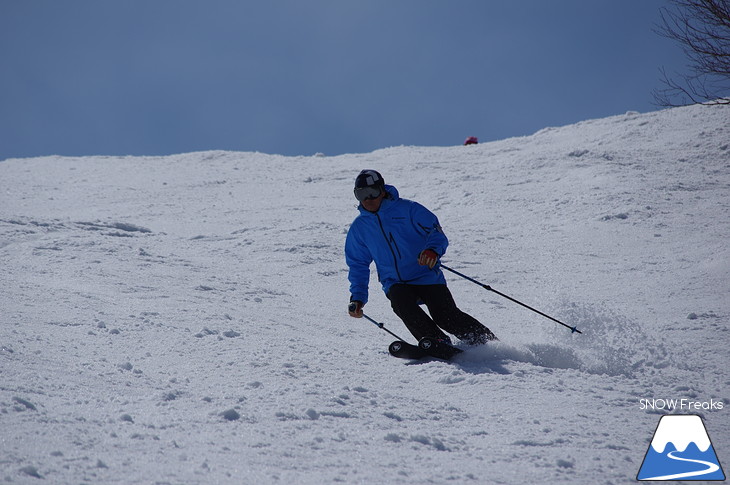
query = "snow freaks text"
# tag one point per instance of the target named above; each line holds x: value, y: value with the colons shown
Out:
x: 683, y: 404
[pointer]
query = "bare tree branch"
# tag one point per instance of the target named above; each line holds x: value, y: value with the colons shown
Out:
x: 702, y: 27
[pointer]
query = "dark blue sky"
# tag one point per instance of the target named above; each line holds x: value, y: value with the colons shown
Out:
x: 156, y: 77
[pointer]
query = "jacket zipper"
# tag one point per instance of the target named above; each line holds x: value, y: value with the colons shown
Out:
x: 390, y: 246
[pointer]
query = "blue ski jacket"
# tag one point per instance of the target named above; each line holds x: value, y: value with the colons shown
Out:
x: 393, y: 237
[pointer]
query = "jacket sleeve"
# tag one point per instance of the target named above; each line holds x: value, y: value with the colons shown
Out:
x: 427, y: 222
x: 358, y: 258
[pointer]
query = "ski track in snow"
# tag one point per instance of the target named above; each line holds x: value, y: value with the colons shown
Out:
x: 183, y: 319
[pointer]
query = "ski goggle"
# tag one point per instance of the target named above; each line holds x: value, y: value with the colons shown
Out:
x: 365, y: 193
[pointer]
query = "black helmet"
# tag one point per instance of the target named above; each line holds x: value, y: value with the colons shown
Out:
x: 369, y: 184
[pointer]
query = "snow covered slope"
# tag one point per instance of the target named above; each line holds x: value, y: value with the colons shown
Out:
x: 182, y: 319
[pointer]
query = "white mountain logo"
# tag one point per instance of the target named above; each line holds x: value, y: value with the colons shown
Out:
x: 681, y: 450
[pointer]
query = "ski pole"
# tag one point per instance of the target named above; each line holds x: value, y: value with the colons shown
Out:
x: 487, y: 287
x: 380, y: 325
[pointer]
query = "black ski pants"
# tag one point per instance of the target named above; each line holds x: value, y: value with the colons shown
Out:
x: 445, y: 316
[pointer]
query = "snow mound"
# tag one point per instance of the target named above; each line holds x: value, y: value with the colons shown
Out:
x: 182, y: 319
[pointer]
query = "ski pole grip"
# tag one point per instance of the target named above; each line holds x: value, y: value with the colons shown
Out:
x: 352, y: 306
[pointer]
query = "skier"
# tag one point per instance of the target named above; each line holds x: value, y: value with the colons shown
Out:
x: 406, y: 241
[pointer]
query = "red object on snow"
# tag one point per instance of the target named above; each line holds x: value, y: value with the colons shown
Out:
x: 472, y: 140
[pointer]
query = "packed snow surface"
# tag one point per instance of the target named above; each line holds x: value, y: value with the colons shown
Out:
x: 182, y: 319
